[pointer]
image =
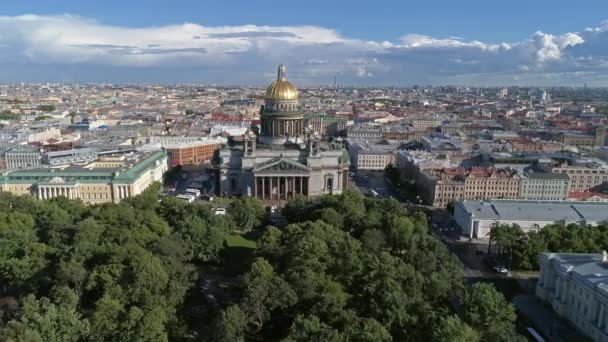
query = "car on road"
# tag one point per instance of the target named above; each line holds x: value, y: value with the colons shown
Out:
x: 500, y: 269
x: 220, y: 211
x: 480, y: 252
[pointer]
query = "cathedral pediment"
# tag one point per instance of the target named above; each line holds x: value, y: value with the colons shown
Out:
x: 281, y: 165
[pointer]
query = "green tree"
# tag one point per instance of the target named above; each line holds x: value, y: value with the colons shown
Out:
x: 452, y: 329
x: 205, y: 241
x: 264, y: 292
x: 247, y: 212
x: 46, y: 108
x: 231, y: 325
x: 46, y: 321
x: 489, y: 313
x: 306, y: 329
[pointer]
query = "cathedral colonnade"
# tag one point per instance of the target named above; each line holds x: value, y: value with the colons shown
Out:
x: 280, y: 187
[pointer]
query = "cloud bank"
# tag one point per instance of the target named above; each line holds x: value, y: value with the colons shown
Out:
x: 73, y: 48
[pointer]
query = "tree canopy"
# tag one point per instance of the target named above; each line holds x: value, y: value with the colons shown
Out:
x: 347, y: 268
x: 112, y: 272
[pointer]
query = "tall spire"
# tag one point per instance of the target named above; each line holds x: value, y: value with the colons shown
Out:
x: 281, y: 72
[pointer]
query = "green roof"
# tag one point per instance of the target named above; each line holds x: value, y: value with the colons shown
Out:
x: 83, y: 175
x: 140, y: 167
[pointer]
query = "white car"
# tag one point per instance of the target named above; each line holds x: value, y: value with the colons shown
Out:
x: 501, y: 269
x: 220, y: 211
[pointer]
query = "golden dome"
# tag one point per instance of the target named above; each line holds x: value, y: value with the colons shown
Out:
x: 281, y: 89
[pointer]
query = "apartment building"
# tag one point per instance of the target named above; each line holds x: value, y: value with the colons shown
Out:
x: 544, y: 186
x: 585, y: 175
x: 365, y: 156
x: 192, y: 153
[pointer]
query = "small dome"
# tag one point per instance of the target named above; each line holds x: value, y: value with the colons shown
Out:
x: 281, y: 89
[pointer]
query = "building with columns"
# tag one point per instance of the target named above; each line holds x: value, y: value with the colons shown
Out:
x: 108, y: 179
x: 576, y: 286
x: 287, y: 158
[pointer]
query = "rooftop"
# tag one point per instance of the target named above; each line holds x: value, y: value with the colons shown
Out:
x: 537, y: 210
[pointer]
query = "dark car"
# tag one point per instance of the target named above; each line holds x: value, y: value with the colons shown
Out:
x: 480, y: 252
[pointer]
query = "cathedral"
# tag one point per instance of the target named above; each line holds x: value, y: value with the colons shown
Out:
x: 286, y: 158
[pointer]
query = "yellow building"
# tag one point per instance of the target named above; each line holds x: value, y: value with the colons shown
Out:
x: 110, y: 179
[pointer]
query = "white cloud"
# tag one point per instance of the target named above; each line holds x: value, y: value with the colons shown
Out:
x: 314, y: 54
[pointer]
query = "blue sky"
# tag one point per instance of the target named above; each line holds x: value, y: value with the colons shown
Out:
x: 362, y: 42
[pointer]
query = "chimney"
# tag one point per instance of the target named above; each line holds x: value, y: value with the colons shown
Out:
x: 604, y: 257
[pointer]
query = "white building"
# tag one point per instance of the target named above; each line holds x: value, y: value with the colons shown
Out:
x: 476, y: 218
x: 576, y: 286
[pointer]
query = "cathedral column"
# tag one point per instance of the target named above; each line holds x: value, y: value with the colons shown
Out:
x: 271, y: 179
x: 301, y: 189
x: 284, y: 187
x: 263, y: 188
x: 255, y: 187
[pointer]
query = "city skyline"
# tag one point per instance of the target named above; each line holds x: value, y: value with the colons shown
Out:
x: 80, y: 43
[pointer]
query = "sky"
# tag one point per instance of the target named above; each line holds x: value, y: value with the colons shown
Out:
x: 360, y: 43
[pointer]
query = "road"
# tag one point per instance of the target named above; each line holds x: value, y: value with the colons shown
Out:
x: 442, y: 227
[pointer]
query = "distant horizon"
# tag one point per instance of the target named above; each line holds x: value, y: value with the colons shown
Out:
x: 299, y: 87
x: 437, y: 43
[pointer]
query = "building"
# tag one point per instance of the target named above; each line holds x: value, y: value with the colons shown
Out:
x: 440, y: 187
x: 108, y: 179
x: 544, y: 185
x: 576, y: 286
x: 364, y: 132
x: 22, y: 157
x: 193, y: 153
x: 327, y: 125
x: 366, y: 156
x: 287, y: 158
x: 584, y: 175
x: 422, y: 124
x: 476, y: 218
x: 66, y: 157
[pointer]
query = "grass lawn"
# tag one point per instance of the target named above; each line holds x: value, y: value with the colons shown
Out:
x: 238, y: 240
x: 238, y: 254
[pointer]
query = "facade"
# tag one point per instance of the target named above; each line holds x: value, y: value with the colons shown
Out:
x: 584, y: 176
x: 326, y: 125
x: 364, y: 133
x: 22, y: 158
x: 544, y: 186
x: 422, y: 124
x: 576, y: 286
x: 476, y: 218
x: 364, y: 156
x: 109, y: 179
x: 287, y: 158
x: 66, y: 157
x: 192, y: 153
x: 440, y: 187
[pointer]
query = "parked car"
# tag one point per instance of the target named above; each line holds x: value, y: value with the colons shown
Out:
x: 480, y: 252
x: 220, y: 211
